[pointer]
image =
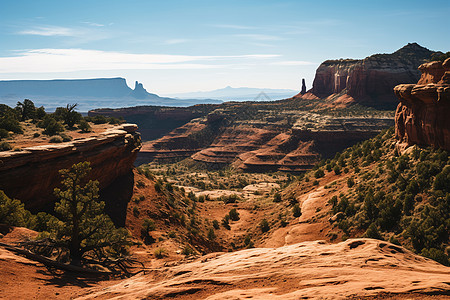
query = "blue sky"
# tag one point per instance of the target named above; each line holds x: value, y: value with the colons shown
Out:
x: 181, y: 46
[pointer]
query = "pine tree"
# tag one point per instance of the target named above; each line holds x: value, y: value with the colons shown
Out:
x: 83, y: 228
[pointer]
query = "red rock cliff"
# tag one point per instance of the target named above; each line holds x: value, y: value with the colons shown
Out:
x: 371, y: 79
x: 422, y: 116
x: 32, y: 174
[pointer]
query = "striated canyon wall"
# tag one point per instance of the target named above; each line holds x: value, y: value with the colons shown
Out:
x: 422, y: 116
x: 371, y: 79
x: 31, y: 174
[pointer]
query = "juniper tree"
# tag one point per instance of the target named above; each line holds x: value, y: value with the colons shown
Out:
x: 83, y: 229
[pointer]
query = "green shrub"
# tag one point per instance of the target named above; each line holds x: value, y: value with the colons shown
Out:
x: 215, y: 224
x: 160, y: 252
x: 211, y: 235
x: 234, y: 215
x: 84, y: 126
x: 3, y: 133
x: 337, y: 170
x: 148, y: 225
x: 296, y: 210
x: 56, y: 139
x: 373, y: 233
x: 13, y: 213
x: 5, y: 146
x: 264, y: 225
x: 188, y: 251
x: 277, y: 197
x: 319, y: 173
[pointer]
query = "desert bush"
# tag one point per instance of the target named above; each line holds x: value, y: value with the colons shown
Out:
x: 296, y: 210
x: 56, y: 139
x: 277, y: 197
x: 84, y: 126
x: 234, y: 215
x: 13, y: 213
x: 5, y: 146
x: 160, y: 252
x: 3, y: 133
x: 264, y: 225
x: 215, y: 224
x: 188, y: 251
x: 319, y: 173
x: 211, y: 235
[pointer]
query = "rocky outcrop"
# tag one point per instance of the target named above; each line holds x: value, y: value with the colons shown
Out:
x: 303, y: 90
x: 422, y: 116
x: 371, y: 79
x: 31, y: 174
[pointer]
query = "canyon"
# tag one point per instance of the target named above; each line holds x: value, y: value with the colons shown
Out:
x: 422, y: 115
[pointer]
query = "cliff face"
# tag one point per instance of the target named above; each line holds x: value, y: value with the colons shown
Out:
x: 422, y: 116
x: 32, y: 174
x: 370, y: 80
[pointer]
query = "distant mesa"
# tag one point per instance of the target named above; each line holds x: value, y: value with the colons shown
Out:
x: 88, y: 93
x: 370, y: 80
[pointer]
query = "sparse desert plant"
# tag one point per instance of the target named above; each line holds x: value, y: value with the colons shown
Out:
x: 211, y: 234
x: 296, y: 210
x: 5, y: 146
x: 56, y: 139
x: 277, y: 197
x: 264, y: 225
x: 84, y: 126
x: 234, y: 215
x: 188, y: 251
x: 215, y: 224
x: 160, y: 252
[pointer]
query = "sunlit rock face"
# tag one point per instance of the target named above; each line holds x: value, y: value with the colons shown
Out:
x: 422, y: 116
x: 371, y: 79
x: 32, y: 174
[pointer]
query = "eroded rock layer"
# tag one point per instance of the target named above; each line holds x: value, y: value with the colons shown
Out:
x: 422, y: 116
x: 278, y: 141
x: 371, y: 79
x: 31, y: 174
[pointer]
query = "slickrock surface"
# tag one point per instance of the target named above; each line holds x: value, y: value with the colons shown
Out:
x: 422, y: 116
x: 31, y: 174
x: 309, y: 270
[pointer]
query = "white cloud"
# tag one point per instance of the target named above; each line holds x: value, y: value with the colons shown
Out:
x: 50, y: 31
x: 293, y: 63
x: 94, y: 24
x: 71, y: 60
x: 175, y: 41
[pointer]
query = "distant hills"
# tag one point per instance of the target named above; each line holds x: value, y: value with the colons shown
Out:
x: 239, y: 94
x: 88, y: 93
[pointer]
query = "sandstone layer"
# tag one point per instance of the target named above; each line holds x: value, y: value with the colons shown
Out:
x: 309, y: 270
x: 290, y: 140
x: 31, y: 175
x: 370, y: 80
x: 422, y: 116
